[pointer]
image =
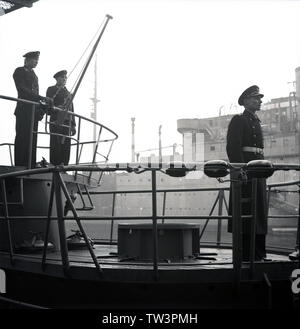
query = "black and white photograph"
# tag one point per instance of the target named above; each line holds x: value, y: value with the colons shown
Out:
x: 149, y: 158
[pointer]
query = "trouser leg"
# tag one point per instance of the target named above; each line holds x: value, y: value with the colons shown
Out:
x: 260, y: 247
x: 21, y: 150
x: 59, y: 147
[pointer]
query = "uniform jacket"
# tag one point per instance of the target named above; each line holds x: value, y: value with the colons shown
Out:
x: 245, y: 130
x: 60, y: 97
x: 27, y: 85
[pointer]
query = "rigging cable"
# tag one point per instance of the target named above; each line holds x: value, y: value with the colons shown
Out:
x: 84, y: 52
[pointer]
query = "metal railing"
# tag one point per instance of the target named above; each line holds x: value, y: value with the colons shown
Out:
x: 59, y: 188
x: 218, y: 203
x: 109, y: 135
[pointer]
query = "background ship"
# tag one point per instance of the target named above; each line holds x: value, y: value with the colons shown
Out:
x: 280, y: 122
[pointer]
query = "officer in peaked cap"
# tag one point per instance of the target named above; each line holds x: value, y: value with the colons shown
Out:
x: 61, y: 123
x: 62, y: 73
x: 27, y: 85
x: 252, y: 91
x: 245, y: 143
x: 32, y: 54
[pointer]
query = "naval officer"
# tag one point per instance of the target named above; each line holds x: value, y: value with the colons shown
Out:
x: 245, y: 143
x: 61, y: 123
x: 27, y: 85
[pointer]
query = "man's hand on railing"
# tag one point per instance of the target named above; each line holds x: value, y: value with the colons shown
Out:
x: 46, y: 106
x: 73, y: 131
x: 46, y: 101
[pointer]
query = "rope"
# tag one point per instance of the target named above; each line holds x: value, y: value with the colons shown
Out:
x: 84, y: 52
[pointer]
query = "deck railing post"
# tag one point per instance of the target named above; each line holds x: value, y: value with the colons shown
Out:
x: 154, y: 223
x: 268, y: 200
x: 10, y: 156
x: 253, y: 225
x: 48, y: 222
x: 236, y: 231
x: 220, y: 211
x: 61, y: 223
x: 164, y: 206
x: 32, y: 115
x: 81, y: 196
x: 78, y: 142
x: 95, y: 151
x: 112, y: 214
x: 210, y: 213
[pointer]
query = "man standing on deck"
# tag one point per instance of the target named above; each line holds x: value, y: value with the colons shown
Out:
x: 245, y: 143
x: 27, y: 86
x: 61, y: 123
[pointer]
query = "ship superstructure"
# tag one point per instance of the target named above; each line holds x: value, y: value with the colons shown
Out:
x: 279, y: 119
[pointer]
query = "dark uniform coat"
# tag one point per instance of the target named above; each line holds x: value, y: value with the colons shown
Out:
x: 60, y: 123
x: 27, y: 86
x: 245, y: 130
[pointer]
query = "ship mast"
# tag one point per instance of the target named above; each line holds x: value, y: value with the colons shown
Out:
x: 132, y: 140
x: 95, y: 100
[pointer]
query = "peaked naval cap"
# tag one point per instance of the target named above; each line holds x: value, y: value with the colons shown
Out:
x: 60, y: 74
x: 249, y: 92
x: 32, y: 54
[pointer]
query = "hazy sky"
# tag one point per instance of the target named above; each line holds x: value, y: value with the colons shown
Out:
x: 158, y: 61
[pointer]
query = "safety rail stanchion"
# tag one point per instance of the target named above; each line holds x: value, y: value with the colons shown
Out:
x: 164, y: 206
x: 253, y: 226
x: 31, y: 132
x: 80, y: 152
x: 6, y: 216
x: 10, y: 155
x: 80, y: 194
x: 77, y: 146
x: 89, y: 196
x: 210, y: 213
x: 48, y: 221
x: 220, y: 211
x: 61, y: 223
x: 84, y: 206
x: 236, y: 233
x: 154, y: 223
x: 69, y: 200
x: 100, y: 177
x: 225, y: 203
x: 110, y: 148
x: 112, y: 214
x: 95, y: 152
x: 268, y: 199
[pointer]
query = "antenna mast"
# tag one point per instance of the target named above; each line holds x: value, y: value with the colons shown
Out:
x: 95, y: 100
x: 132, y: 140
